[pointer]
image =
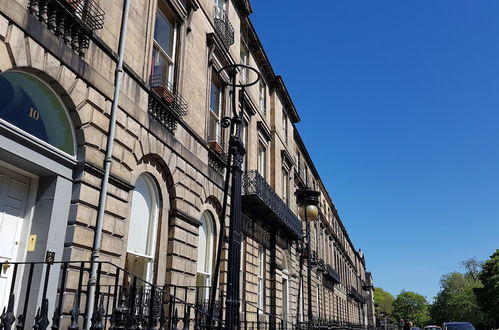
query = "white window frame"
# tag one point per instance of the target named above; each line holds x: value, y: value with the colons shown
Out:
x: 208, y: 219
x: 285, y: 185
x: 244, y: 61
x: 261, y: 280
x: 263, y: 97
x: 153, y: 220
x: 156, y: 45
x: 220, y: 7
x: 245, y: 140
x: 285, y: 125
x: 262, y: 161
x: 302, y: 301
x: 213, y: 116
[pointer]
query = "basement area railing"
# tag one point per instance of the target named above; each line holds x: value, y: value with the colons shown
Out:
x: 41, y: 295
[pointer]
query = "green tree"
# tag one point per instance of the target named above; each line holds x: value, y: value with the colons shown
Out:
x: 411, y: 306
x: 456, y: 300
x: 488, y: 295
x: 383, y: 301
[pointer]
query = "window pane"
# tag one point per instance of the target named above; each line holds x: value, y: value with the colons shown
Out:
x: 141, y: 218
x: 164, y: 29
x: 214, y: 129
x: 161, y: 65
x: 215, y: 98
x: 220, y: 3
x: 202, y: 241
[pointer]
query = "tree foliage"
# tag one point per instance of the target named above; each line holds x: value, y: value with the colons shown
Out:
x: 456, y: 300
x: 411, y: 306
x: 488, y: 295
x: 383, y: 301
x: 473, y: 267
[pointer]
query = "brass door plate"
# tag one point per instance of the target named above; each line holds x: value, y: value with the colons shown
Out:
x: 32, y: 243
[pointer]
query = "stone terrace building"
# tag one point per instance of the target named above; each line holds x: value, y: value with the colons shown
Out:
x: 160, y: 219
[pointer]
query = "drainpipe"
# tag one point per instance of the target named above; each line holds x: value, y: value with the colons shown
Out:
x: 107, y: 165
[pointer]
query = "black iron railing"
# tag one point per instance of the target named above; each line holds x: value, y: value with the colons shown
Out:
x: 352, y: 292
x: 218, y: 155
x: 331, y: 323
x: 223, y: 27
x: 251, y: 317
x: 324, y: 323
x: 166, y: 104
x: 72, y: 20
x: 331, y: 274
x: 56, y: 294
x: 260, y: 199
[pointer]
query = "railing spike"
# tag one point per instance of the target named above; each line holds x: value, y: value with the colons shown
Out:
x: 97, y: 316
x: 55, y: 319
x: 187, y: 312
x: 8, y: 318
x: 37, y: 318
x: 162, y: 317
x: 175, y: 320
x: 75, y: 311
x: 20, y: 322
x: 120, y: 315
x: 41, y: 319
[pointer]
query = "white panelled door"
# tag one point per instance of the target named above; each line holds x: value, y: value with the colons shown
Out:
x: 14, y: 189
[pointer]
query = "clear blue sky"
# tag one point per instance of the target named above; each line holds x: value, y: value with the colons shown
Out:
x: 399, y: 103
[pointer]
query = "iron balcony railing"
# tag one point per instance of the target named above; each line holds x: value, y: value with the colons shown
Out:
x: 259, y: 199
x: 352, y: 292
x: 166, y: 104
x: 218, y: 155
x: 331, y: 274
x: 223, y: 27
x: 72, y: 20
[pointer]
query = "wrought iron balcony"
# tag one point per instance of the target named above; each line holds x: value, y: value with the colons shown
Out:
x: 331, y: 274
x: 166, y: 104
x: 223, y: 27
x: 259, y: 199
x: 74, y: 21
x: 352, y: 292
x: 218, y: 155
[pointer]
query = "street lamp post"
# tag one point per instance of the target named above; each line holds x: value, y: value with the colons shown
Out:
x: 235, y: 158
x: 308, y: 201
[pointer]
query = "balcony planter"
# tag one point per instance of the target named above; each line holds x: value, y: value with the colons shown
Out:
x: 216, y: 146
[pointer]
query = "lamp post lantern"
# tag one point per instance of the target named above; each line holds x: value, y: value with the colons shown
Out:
x: 308, y: 210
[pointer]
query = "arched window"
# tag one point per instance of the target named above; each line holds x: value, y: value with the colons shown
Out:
x: 31, y: 105
x: 205, y: 260
x: 142, y: 231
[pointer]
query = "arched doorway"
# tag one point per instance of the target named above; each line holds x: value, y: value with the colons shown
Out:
x: 37, y: 159
x: 143, y: 228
